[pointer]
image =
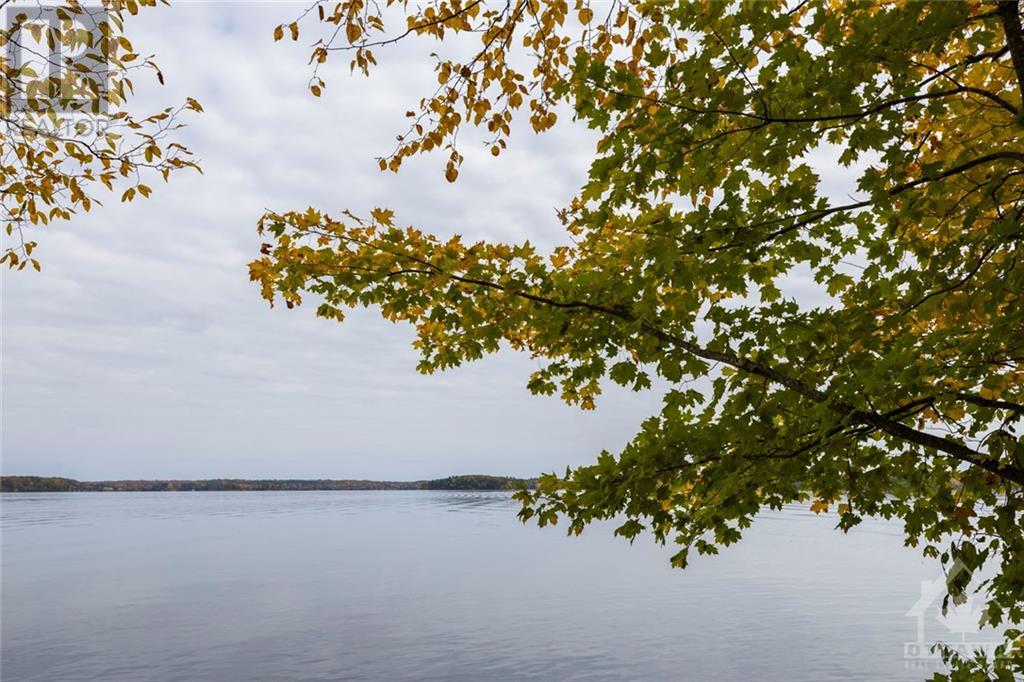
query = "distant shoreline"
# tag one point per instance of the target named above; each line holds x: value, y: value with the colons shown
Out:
x: 51, y: 484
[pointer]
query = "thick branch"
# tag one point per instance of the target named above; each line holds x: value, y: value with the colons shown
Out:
x: 1009, y: 14
x: 881, y: 422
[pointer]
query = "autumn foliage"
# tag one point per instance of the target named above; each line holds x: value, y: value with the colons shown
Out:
x: 892, y: 385
x: 66, y: 130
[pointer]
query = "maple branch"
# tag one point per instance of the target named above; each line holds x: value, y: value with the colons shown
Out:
x: 809, y: 217
x: 809, y: 447
x: 879, y: 421
x: 956, y: 170
x: 767, y: 118
x: 882, y: 422
x: 409, y: 31
x: 955, y: 285
x: 994, y: 404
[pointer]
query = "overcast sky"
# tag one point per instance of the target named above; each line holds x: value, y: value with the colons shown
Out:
x: 142, y: 351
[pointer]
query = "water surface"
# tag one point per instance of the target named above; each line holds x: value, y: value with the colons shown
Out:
x: 436, y: 586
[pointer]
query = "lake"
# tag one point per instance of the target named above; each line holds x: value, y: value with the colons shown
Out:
x: 441, y: 586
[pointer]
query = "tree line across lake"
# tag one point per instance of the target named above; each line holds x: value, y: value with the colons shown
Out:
x: 37, y: 484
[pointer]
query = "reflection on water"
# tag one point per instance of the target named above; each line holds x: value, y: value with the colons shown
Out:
x: 389, y: 585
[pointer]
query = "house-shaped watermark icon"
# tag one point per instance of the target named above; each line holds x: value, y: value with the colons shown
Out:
x: 958, y: 628
x: 53, y: 60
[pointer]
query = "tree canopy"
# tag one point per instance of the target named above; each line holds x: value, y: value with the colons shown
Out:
x: 896, y: 389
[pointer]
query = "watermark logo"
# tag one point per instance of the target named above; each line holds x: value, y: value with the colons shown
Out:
x: 56, y: 60
x: 958, y: 628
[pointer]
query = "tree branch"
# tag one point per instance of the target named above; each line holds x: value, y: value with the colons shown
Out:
x: 881, y: 422
x: 994, y: 404
x: 809, y: 217
x: 1009, y: 14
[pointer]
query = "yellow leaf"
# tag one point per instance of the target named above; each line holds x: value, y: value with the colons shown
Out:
x: 383, y: 216
x: 559, y: 258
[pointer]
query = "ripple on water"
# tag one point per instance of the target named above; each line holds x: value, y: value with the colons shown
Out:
x: 434, y: 585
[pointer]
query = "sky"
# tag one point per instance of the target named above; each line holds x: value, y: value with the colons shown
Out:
x: 143, y: 351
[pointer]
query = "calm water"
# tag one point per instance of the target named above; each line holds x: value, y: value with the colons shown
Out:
x: 435, y: 586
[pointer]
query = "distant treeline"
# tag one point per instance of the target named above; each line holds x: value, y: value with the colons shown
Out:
x: 50, y: 484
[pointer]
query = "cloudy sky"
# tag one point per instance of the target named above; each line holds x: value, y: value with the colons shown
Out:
x: 142, y: 350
